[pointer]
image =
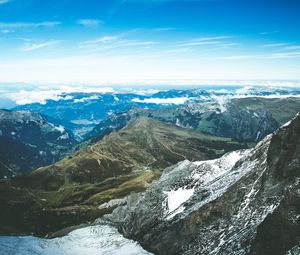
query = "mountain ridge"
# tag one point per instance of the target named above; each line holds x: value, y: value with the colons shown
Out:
x: 29, y: 141
x: 249, y: 205
x: 73, y: 190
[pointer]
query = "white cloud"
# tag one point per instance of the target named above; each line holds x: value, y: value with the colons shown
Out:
x: 86, y: 99
x: 175, y: 100
x: 42, y: 95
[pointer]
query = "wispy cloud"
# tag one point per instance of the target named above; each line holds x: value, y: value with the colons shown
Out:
x: 4, y: 1
x: 293, y: 47
x: 237, y: 57
x: 201, y: 39
x: 275, y: 44
x: 198, y: 43
x: 6, y: 31
x: 90, y: 22
x: 29, y: 24
x: 269, y: 32
x: 98, y: 41
x: 282, y: 55
x: 293, y: 54
x: 112, y: 42
x: 283, y: 46
x: 36, y: 46
x: 204, y: 41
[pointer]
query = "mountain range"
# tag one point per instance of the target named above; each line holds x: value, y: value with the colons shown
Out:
x: 212, y: 175
x: 244, y: 119
x: 29, y: 141
x: 96, y: 178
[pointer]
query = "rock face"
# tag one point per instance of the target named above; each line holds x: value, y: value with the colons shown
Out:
x: 72, y: 190
x: 244, y: 119
x: 246, y: 202
x: 28, y: 141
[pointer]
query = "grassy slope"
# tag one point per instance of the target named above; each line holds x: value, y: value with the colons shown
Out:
x: 70, y: 191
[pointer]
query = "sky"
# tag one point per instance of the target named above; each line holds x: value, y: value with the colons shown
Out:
x: 149, y: 40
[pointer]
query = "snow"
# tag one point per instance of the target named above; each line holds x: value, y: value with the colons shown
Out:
x: 175, y: 100
x: 286, y: 124
x: 60, y: 128
x: 257, y: 136
x: 94, y: 240
x: 63, y: 137
x: 175, y: 198
x: 42, y: 153
x: 225, y: 162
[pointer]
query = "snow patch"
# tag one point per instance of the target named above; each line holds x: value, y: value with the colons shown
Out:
x: 60, y: 128
x: 100, y: 240
x: 63, y: 137
x: 175, y: 198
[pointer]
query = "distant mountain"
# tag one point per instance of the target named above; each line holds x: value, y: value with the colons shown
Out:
x: 80, y: 112
x: 95, y: 179
x: 246, y: 202
x: 244, y: 119
x: 28, y: 141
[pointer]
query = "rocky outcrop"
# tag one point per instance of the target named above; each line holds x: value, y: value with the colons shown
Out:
x: 246, y: 202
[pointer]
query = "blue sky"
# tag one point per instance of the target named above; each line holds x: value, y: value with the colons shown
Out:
x: 135, y: 40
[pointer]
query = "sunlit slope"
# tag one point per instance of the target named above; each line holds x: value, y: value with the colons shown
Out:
x: 71, y: 191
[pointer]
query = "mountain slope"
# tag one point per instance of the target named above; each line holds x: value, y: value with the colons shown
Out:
x: 246, y: 202
x: 245, y: 119
x: 28, y: 141
x: 95, y: 179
